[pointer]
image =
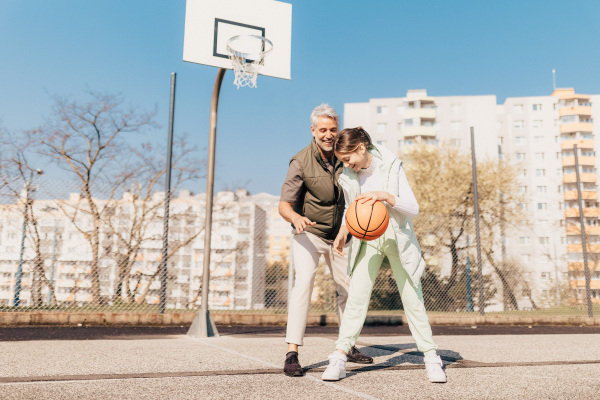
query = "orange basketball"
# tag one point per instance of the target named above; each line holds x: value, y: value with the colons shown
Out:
x: 365, y: 221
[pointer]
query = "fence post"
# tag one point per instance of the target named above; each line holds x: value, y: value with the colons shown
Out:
x: 477, y: 235
x: 165, y: 248
x: 583, y: 236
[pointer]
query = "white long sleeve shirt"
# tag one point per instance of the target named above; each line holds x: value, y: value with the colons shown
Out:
x: 370, y: 180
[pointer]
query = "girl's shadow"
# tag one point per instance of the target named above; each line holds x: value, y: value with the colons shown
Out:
x: 409, y: 358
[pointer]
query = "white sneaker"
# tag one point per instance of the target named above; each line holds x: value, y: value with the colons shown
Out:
x: 435, y: 370
x: 336, y: 369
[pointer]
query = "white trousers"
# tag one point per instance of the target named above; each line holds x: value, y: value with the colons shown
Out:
x: 369, y: 260
x: 307, y: 249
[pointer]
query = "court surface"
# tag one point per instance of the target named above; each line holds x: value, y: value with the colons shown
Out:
x: 245, y: 363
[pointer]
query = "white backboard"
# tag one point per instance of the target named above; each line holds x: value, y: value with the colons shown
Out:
x: 209, y: 24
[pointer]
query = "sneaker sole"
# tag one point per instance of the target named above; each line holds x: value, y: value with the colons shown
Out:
x: 361, y: 361
x: 333, y: 379
x: 294, y: 375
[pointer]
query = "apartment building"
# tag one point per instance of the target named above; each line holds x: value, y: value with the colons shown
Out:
x: 237, y: 253
x: 537, y: 133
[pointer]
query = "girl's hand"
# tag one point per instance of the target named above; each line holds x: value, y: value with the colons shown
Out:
x: 371, y: 198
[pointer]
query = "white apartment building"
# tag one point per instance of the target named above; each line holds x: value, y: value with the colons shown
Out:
x: 237, y: 252
x: 538, y: 132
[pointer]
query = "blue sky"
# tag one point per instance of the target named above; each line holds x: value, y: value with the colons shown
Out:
x: 342, y: 51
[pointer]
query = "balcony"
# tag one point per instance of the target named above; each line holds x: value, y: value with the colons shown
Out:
x: 572, y: 178
x: 427, y: 113
x: 577, y: 248
x: 572, y: 195
x: 414, y: 131
x: 589, y: 230
x: 587, y: 212
x: 576, y: 127
x: 581, y: 144
x: 583, y: 160
x: 580, y: 283
x: 576, y: 110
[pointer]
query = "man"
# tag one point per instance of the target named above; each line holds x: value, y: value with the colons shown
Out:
x: 313, y: 201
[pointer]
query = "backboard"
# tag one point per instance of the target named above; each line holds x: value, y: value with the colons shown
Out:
x: 209, y: 24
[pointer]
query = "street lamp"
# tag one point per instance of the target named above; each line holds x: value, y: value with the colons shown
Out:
x: 17, y: 297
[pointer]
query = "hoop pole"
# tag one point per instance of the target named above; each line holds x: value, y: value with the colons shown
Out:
x: 203, y: 325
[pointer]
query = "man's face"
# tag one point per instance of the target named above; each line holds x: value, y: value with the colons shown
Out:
x: 324, y: 133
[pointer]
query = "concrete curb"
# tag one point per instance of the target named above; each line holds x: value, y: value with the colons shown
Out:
x: 178, y: 319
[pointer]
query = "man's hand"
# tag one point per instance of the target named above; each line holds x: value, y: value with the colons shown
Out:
x: 372, y: 197
x: 301, y: 222
x: 340, y: 240
x: 286, y: 210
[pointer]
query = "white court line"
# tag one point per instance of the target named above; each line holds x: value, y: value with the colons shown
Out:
x: 312, y: 378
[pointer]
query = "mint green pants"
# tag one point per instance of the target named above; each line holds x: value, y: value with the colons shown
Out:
x: 368, y: 262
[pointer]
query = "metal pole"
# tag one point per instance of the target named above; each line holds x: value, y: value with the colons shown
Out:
x: 51, y: 289
x: 477, y: 236
x: 165, y: 249
x: 583, y: 236
x: 19, y: 275
x: 557, y: 291
x: 203, y: 325
x: 468, y: 273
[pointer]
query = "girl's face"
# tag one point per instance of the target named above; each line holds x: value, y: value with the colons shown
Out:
x: 356, y: 160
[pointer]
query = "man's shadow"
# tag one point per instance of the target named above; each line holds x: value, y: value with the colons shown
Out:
x: 408, y: 358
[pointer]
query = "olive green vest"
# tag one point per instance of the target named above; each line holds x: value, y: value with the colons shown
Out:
x: 323, y: 200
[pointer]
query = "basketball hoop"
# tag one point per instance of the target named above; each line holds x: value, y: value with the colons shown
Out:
x: 247, y: 54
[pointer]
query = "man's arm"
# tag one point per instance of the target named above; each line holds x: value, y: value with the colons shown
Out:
x: 286, y: 210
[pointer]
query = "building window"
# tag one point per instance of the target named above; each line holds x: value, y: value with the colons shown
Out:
x: 536, y: 107
x: 523, y: 172
x: 526, y: 258
x: 408, y: 122
x: 455, y: 125
x: 519, y: 124
x: 520, y: 156
x: 383, y: 110
x: 523, y: 206
x: 519, y: 139
x: 544, y: 240
x: 541, y: 189
x: 455, y: 142
x: 518, y: 108
x: 455, y: 108
x: 522, y: 189
x: 538, y: 139
x: 540, y: 172
x: 542, y: 206
x: 559, y: 188
x: 381, y: 127
x: 539, y: 156
x: 524, y: 240
x: 500, y: 140
x: 399, y: 126
x: 537, y: 123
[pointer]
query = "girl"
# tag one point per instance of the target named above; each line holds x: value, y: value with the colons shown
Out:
x: 371, y: 174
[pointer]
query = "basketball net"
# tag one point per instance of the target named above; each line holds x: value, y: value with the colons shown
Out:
x: 247, y: 54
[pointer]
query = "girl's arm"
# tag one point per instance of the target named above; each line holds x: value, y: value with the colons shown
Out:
x: 405, y: 202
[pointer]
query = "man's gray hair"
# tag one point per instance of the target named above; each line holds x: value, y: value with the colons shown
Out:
x: 324, y: 110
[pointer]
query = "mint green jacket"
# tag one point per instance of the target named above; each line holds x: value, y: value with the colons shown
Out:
x: 408, y: 246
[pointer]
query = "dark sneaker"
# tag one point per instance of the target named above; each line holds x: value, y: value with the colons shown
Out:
x: 292, y: 365
x: 356, y: 356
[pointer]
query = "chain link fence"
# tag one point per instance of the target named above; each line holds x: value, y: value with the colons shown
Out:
x: 58, y: 254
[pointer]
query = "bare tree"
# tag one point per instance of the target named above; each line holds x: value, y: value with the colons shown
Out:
x: 88, y: 141
x: 17, y: 181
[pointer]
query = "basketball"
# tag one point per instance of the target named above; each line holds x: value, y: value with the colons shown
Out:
x: 365, y: 221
